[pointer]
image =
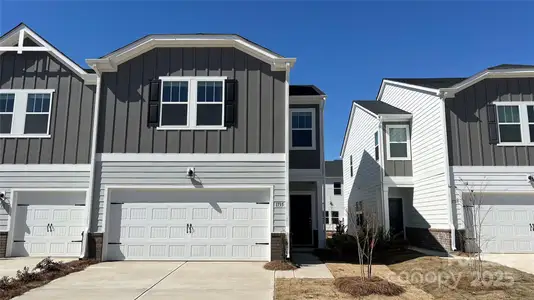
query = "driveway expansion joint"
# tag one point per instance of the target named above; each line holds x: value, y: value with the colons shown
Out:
x: 163, y: 278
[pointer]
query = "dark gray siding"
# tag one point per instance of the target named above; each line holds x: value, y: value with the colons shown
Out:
x: 71, y: 114
x: 308, y: 159
x: 395, y: 167
x: 260, y: 116
x: 467, y: 127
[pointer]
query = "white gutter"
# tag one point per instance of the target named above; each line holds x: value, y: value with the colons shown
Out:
x: 89, y: 195
x: 447, y: 176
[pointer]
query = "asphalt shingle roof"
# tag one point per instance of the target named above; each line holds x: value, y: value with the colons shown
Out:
x: 334, y: 168
x: 381, y: 108
x: 305, y: 90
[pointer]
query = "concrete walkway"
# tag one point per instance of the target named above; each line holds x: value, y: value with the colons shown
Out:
x: 161, y: 280
x: 10, y: 266
x: 310, y: 267
x: 522, y: 262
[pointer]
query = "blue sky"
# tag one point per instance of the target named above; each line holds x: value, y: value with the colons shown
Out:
x: 345, y: 48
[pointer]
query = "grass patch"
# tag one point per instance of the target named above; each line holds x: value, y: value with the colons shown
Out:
x: 44, y: 272
x: 360, y: 286
x: 456, y: 279
x: 279, y: 265
x: 305, y: 289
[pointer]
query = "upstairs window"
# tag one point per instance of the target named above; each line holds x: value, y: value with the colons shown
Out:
x: 192, y: 102
x: 530, y: 115
x: 302, y: 129
x: 335, y: 217
x: 398, y: 141
x: 509, y: 124
x: 351, y: 168
x: 377, y: 151
x: 337, y: 188
x: 25, y: 113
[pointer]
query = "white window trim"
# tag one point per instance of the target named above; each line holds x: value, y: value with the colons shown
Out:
x: 18, y: 121
x: 308, y: 109
x: 191, y: 103
x: 523, y: 122
x: 377, y: 145
x: 408, y: 142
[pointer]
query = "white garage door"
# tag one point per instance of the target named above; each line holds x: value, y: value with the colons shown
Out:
x: 507, y: 222
x: 189, y: 225
x: 49, y: 224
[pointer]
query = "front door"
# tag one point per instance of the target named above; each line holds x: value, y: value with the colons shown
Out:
x: 301, y: 220
x: 396, y: 220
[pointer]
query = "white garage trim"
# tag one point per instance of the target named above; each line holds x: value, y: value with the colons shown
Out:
x: 13, y: 205
x: 106, y: 215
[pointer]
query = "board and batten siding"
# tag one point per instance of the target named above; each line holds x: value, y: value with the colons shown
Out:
x: 467, y: 127
x: 70, y: 117
x: 209, y: 173
x: 395, y: 167
x: 59, y: 177
x: 365, y: 184
x: 428, y: 138
x: 261, y: 117
x: 307, y: 159
x: 487, y: 179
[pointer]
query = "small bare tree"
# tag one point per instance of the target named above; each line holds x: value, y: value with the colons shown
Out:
x: 475, y: 213
x: 365, y: 231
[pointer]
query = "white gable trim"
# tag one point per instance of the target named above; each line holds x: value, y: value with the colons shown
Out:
x: 349, y: 125
x: 18, y: 35
x: 508, y: 73
x: 110, y: 62
x: 405, y: 85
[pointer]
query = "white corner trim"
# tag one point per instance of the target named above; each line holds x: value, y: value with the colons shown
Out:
x: 313, y: 128
x: 190, y: 157
x: 408, y: 142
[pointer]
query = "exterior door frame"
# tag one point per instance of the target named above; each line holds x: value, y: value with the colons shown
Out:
x: 13, y: 215
x: 313, y: 213
x: 109, y: 188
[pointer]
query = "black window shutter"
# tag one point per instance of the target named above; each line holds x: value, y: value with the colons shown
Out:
x: 153, y: 103
x: 493, y: 127
x: 230, y: 103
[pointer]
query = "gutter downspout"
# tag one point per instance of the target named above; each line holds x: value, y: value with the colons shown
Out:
x: 381, y: 166
x: 288, y: 119
x: 447, y: 175
x: 89, y: 195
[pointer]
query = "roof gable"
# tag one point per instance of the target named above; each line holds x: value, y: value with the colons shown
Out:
x: 109, y: 62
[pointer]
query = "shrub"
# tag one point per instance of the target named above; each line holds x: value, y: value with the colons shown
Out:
x: 4, y: 282
x: 279, y: 265
x: 344, y: 245
x: 26, y: 275
x: 48, y: 265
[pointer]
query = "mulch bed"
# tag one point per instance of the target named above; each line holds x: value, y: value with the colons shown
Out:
x: 280, y: 265
x: 360, y: 286
x: 44, y: 272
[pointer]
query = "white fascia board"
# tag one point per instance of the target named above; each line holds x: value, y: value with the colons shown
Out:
x: 189, y: 157
x: 508, y: 73
x: 401, y: 84
x: 110, y: 62
x: 393, y: 118
x: 315, y: 99
x: 44, y: 168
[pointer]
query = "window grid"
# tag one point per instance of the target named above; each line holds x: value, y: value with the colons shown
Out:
x: 377, y: 150
x: 303, y: 120
x: 398, y: 134
x: 335, y: 217
x: 509, y: 122
x: 7, y: 102
x: 337, y: 188
x: 25, y: 112
x: 38, y: 104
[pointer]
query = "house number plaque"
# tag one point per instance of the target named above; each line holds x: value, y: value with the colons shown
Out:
x: 279, y: 203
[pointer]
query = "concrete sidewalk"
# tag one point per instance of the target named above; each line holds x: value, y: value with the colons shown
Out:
x: 309, y: 267
x: 161, y: 280
x: 10, y: 266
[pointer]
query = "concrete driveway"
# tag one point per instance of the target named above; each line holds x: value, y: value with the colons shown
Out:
x: 162, y: 280
x: 521, y: 262
x: 10, y: 266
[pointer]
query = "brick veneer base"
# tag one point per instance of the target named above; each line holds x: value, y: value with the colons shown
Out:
x: 3, y: 243
x: 95, y: 240
x: 435, y: 239
x: 278, y: 245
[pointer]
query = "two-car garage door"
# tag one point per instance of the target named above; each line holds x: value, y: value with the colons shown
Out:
x: 188, y: 224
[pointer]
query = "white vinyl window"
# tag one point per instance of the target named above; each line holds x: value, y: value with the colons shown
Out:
x: 377, y: 150
x: 25, y: 113
x: 192, y: 103
x: 516, y: 123
x: 337, y: 188
x: 398, y: 142
x: 302, y: 129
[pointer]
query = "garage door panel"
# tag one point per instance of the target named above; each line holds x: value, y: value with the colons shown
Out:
x: 219, y: 230
x: 506, y: 220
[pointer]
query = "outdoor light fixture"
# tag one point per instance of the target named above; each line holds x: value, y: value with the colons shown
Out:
x: 190, y: 173
x: 3, y: 198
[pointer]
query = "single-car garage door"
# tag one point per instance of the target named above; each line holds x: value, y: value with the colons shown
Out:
x: 189, y: 224
x: 48, y: 223
x: 506, y: 222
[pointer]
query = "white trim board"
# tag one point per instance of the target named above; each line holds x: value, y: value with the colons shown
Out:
x: 110, y: 62
x: 398, y: 181
x: 44, y: 167
x: 408, y: 142
x: 105, y: 216
x: 190, y: 157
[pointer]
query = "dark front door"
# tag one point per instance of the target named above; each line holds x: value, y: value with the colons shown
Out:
x: 396, y: 220
x: 301, y: 220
